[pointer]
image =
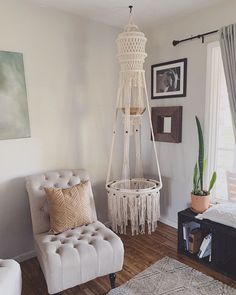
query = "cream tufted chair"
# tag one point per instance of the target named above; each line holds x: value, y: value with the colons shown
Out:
x: 10, y: 277
x: 77, y: 255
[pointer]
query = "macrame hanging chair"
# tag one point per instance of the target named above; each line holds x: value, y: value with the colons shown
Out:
x: 135, y: 199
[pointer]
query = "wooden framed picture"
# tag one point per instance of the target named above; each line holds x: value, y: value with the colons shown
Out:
x: 167, y: 123
x: 169, y: 79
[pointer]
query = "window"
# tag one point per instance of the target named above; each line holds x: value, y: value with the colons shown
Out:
x: 219, y: 139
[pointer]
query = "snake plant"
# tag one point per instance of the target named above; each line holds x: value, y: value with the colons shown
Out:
x: 198, y: 188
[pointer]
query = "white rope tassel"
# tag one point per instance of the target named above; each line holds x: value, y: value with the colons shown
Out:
x: 126, y: 165
x: 125, y: 212
x: 113, y: 212
x: 137, y: 140
x: 149, y: 212
x: 132, y: 213
x: 136, y: 215
x: 110, y: 217
x: 155, y: 210
x: 142, y: 214
x: 118, y: 216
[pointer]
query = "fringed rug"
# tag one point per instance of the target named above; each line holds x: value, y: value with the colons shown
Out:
x: 171, y: 277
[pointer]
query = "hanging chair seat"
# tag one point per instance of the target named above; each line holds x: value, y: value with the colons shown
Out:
x: 135, y: 200
x: 134, y: 186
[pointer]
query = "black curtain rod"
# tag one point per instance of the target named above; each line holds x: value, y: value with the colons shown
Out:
x: 200, y: 36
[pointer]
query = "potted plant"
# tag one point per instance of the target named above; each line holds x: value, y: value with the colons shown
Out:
x: 201, y: 197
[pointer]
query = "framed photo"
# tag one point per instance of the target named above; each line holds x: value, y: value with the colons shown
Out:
x: 169, y: 79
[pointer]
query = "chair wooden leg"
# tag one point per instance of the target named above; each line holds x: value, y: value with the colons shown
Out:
x: 112, y: 278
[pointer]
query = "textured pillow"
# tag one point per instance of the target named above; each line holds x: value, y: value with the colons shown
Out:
x: 70, y: 207
x: 222, y: 213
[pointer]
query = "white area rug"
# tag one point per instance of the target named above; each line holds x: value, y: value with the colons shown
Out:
x: 170, y: 277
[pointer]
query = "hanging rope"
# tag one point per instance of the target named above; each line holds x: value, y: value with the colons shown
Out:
x: 132, y: 198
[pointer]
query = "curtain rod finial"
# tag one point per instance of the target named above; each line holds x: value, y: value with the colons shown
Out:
x: 175, y: 42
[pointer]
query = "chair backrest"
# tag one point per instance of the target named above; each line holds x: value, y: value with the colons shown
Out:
x: 231, y: 184
x: 35, y: 185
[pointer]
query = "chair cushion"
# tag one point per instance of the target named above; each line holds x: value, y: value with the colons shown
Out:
x: 70, y: 207
x: 78, y: 255
x: 10, y: 277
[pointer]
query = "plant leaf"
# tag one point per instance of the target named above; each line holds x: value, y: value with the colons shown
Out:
x: 200, y: 152
x: 212, y: 182
x: 204, y: 165
x: 195, y: 180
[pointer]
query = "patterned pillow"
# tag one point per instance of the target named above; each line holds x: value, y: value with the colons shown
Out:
x: 70, y: 207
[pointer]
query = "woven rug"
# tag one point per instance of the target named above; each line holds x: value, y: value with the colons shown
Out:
x: 170, y: 277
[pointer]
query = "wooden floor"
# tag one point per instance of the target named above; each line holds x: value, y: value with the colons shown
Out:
x: 140, y: 252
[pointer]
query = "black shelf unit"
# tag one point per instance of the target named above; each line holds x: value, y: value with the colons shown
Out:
x: 223, y: 256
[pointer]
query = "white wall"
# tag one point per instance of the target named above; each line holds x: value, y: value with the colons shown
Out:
x: 71, y: 75
x: 177, y: 160
x: 71, y: 81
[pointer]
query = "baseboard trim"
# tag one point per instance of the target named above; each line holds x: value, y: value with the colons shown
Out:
x: 169, y: 222
x: 25, y: 256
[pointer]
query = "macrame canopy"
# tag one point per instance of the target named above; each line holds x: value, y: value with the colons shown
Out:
x: 132, y: 197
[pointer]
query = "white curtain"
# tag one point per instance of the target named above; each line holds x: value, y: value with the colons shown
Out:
x: 228, y: 50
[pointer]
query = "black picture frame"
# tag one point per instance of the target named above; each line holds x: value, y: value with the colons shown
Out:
x: 171, y: 72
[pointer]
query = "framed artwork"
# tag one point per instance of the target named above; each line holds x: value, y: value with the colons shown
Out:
x: 14, y: 116
x: 167, y: 124
x: 169, y: 79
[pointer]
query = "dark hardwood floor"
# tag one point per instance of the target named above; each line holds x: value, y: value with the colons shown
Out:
x: 140, y: 252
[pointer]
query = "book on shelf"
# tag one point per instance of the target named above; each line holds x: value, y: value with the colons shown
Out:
x: 205, y: 249
x: 195, y: 240
x: 187, y: 229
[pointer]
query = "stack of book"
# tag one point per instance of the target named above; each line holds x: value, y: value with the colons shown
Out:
x: 187, y: 229
x: 194, y: 241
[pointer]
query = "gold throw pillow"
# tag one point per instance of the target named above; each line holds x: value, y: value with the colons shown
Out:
x: 70, y: 207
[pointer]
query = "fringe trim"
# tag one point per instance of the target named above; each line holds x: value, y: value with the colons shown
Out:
x: 140, y: 209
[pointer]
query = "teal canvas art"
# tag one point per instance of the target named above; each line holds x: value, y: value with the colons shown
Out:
x: 14, y: 116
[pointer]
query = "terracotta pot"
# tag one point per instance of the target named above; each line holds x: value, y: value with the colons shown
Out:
x: 200, y: 203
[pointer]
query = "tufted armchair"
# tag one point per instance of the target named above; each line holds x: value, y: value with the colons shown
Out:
x: 10, y: 277
x: 77, y: 255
